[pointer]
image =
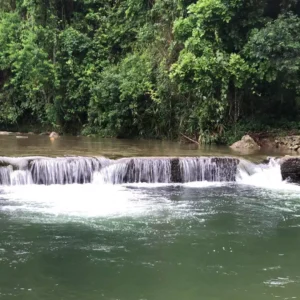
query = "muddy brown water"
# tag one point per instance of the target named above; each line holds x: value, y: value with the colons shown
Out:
x: 116, y: 148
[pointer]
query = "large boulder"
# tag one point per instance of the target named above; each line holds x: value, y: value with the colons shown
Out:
x: 246, y: 143
x: 290, y: 169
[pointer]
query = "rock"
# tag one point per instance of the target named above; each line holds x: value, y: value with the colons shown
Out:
x: 21, y: 136
x: 267, y: 143
x: 31, y: 133
x: 5, y: 133
x: 246, y: 143
x: 294, y: 148
x: 266, y: 161
x: 290, y: 169
x: 54, y: 135
x: 176, y: 174
x: 291, y: 142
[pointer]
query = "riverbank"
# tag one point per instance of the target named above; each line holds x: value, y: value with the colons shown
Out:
x: 257, y: 141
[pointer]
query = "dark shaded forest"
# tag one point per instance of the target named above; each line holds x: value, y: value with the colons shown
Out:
x: 209, y: 69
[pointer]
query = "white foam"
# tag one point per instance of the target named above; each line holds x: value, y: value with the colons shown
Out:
x: 204, y: 184
x: 264, y: 176
x: 69, y: 203
x: 75, y: 200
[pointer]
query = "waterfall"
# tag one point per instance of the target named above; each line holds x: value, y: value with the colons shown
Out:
x: 5, y: 175
x: 66, y: 170
x: 263, y: 175
x: 134, y: 170
x: 20, y: 177
x: 167, y: 170
x: 208, y: 169
x: 47, y: 171
x: 81, y: 170
x: 8, y: 176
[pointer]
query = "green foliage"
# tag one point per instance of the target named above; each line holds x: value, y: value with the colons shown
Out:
x: 139, y: 68
x: 275, y: 51
x: 127, y: 88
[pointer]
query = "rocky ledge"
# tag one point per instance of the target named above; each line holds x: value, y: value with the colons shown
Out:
x: 290, y: 169
x: 288, y: 142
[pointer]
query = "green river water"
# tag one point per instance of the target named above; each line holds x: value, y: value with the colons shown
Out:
x: 195, y: 241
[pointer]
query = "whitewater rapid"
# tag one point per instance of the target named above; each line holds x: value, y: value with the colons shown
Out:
x: 106, y: 196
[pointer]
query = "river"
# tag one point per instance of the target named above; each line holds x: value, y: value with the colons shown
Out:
x: 147, y: 241
x: 113, y: 148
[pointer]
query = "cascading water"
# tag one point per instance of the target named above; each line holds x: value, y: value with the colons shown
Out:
x: 20, y: 177
x: 5, y: 173
x: 262, y: 175
x: 69, y: 170
x: 66, y: 170
x: 47, y: 171
x: 8, y: 176
x: 134, y: 170
x: 208, y: 169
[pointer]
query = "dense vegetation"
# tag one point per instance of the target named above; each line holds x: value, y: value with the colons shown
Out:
x: 208, y: 69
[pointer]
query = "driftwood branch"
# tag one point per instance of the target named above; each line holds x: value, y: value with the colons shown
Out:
x: 189, y: 139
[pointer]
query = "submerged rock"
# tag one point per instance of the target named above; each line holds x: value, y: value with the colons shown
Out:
x: 5, y: 133
x: 21, y: 136
x: 246, y: 143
